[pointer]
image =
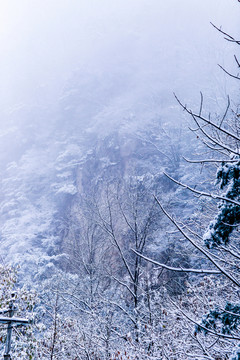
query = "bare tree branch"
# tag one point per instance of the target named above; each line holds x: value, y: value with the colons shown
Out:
x: 228, y: 73
x: 202, y: 250
x: 231, y: 337
x: 227, y: 37
x: 207, y: 121
x: 180, y: 269
x: 209, y: 161
x: 202, y: 193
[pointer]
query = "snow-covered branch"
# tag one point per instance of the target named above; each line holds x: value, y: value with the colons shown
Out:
x: 202, y: 250
x: 180, y: 269
x: 202, y: 193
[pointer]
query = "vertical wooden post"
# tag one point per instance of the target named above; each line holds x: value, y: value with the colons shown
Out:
x: 11, y: 321
x: 7, y: 355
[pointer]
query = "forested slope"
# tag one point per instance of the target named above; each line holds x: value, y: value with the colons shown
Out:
x: 117, y: 236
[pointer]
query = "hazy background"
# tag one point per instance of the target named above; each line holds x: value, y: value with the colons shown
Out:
x: 73, y: 72
x: 43, y: 42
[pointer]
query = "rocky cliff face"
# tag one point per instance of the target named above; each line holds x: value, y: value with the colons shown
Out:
x: 55, y: 159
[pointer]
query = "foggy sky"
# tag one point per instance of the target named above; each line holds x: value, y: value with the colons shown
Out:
x: 43, y: 41
x: 124, y: 58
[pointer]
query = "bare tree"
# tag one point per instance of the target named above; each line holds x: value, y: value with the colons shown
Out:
x: 219, y: 243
